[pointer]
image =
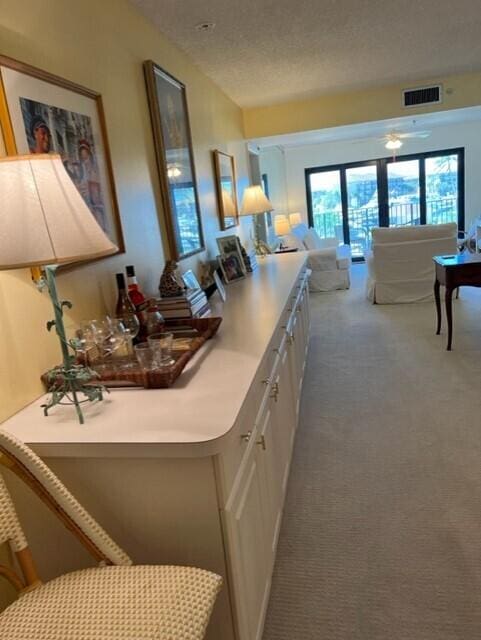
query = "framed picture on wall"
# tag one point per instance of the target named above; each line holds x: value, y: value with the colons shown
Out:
x: 42, y: 113
x: 225, y: 182
x: 175, y: 161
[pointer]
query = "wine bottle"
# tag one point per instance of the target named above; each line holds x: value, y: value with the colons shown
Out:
x: 135, y: 294
x: 124, y: 306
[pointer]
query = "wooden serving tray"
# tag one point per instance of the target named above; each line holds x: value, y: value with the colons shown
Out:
x: 115, y: 376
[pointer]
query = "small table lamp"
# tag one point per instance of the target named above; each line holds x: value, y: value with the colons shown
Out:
x: 255, y: 202
x: 45, y: 222
x: 295, y: 219
x: 281, y: 227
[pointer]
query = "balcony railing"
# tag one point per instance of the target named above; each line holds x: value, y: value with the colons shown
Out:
x: 329, y: 223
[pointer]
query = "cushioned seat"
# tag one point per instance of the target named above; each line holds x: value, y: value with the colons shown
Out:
x: 117, y: 603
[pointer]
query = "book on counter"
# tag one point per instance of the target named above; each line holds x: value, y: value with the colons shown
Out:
x: 192, y: 304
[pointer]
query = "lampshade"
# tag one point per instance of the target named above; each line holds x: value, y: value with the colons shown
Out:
x: 295, y: 219
x: 44, y: 219
x: 281, y: 226
x: 254, y: 201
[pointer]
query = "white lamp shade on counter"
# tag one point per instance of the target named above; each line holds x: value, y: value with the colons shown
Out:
x: 254, y: 201
x: 44, y: 219
x: 295, y: 219
x: 281, y: 226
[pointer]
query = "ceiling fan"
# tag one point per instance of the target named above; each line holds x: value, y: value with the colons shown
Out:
x: 394, y: 140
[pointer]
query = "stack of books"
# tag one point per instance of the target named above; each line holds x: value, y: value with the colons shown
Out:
x: 193, y: 304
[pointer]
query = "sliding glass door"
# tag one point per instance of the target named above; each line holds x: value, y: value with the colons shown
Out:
x: 347, y: 201
x: 404, y: 193
x: 362, y: 206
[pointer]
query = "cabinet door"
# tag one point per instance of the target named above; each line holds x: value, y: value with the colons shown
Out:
x: 250, y: 573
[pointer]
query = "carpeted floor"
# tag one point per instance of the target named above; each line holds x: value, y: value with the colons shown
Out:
x: 381, y: 536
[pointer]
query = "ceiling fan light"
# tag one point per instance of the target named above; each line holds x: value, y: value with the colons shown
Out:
x: 394, y: 143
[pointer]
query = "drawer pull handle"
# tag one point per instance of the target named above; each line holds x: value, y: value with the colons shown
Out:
x: 275, y: 391
x: 266, y: 381
x: 291, y: 339
x: 246, y: 436
x: 262, y: 443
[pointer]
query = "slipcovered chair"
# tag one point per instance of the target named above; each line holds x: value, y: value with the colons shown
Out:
x: 113, y: 601
x: 400, y: 265
x: 329, y: 261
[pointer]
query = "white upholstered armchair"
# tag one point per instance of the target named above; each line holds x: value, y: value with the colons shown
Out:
x: 400, y: 265
x: 329, y: 261
x: 108, y: 602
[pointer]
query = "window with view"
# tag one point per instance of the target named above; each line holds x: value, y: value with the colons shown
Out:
x: 346, y: 201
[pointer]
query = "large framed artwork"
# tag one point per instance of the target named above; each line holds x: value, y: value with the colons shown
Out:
x: 175, y: 161
x: 226, y: 189
x: 42, y: 113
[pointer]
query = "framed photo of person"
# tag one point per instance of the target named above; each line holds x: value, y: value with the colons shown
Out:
x: 225, y: 182
x: 230, y: 246
x: 230, y: 268
x: 175, y: 161
x: 42, y: 113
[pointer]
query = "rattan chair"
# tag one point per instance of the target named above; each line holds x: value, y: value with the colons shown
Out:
x: 113, y: 601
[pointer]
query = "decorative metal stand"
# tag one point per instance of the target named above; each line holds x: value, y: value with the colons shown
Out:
x: 70, y: 379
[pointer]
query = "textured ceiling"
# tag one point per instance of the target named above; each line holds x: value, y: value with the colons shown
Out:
x: 269, y: 51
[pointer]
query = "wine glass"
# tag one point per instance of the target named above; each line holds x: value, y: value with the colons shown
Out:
x: 131, y: 327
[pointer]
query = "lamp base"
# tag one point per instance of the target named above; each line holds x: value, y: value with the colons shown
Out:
x: 67, y: 384
x: 67, y: 381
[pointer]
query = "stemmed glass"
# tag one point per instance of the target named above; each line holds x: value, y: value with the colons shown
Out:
x: 131, y: 325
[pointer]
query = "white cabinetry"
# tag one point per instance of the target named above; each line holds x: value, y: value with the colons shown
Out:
x: 253, y: 512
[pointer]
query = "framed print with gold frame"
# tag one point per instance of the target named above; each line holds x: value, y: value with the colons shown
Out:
x: 175, y: 161
x: 43, y: 113
x: 225, y: 182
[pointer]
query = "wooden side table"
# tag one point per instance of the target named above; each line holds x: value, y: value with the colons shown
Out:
x: 463, y: 270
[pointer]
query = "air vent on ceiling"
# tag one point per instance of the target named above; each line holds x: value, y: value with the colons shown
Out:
x: 422, y: 95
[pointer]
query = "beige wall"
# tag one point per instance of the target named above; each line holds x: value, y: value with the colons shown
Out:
x: 358, y: 106
x: 102, y: 45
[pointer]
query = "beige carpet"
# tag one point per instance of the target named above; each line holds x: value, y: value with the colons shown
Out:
x: 381, y: 536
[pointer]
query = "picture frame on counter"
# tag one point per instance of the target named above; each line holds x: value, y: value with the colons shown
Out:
x: 225, y: 182
x: 190, y: 280
x: 220, y: 286
x: 231, y: 269
x: 175, y: 161
x: 44, y: 113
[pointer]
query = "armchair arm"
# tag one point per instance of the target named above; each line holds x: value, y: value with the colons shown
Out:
x: 323, y: 259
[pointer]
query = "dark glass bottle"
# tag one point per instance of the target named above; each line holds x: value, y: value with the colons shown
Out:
x: 135, y: 294
x: 124, y: 305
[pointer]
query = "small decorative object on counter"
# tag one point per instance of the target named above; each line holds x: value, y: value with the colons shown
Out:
x: 247, y: 260
x: 170, y: 283
x: 205, y: 271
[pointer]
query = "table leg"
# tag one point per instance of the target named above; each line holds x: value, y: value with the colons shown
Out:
x: 438, y: 306
x: 449, y: 315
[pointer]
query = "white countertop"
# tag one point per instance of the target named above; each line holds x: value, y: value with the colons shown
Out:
x: 192, y: 417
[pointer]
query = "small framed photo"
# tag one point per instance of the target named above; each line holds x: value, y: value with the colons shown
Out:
x: 220, y: 286
x: 190, y: 280
x: 231, y: 268
x: 230, y: 247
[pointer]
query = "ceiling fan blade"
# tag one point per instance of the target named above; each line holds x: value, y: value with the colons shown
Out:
x: 415, y: 134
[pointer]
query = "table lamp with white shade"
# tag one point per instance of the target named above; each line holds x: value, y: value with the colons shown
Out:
x: 282, y: 228
x: 255, y: 202
x: 295, y: 219
x: 45, y: 222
